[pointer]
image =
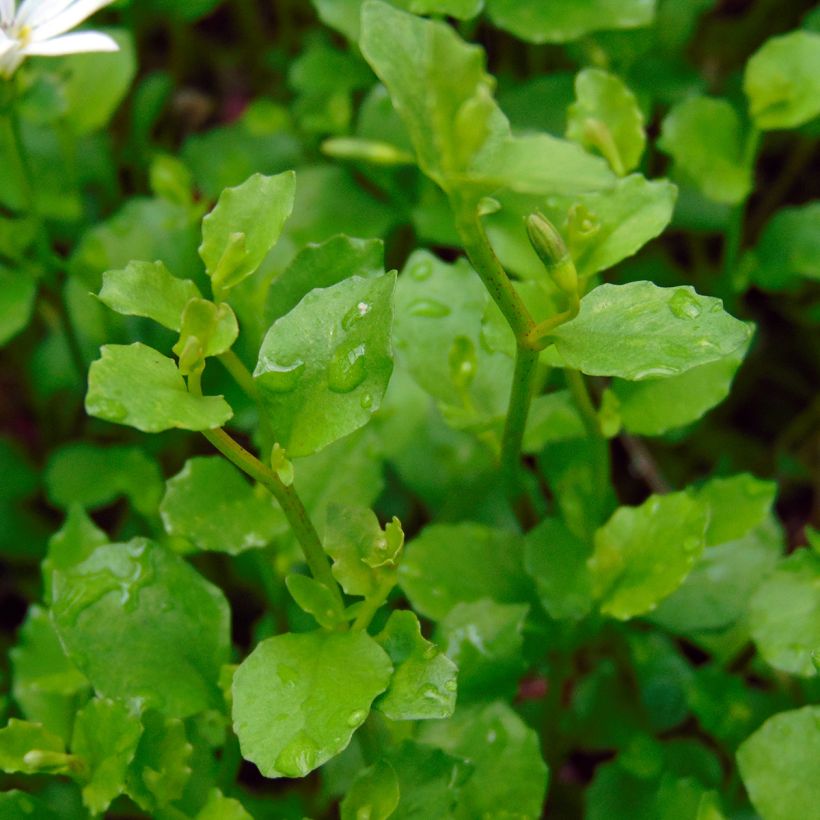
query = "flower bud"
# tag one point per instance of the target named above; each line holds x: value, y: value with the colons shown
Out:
x: 549, y: 245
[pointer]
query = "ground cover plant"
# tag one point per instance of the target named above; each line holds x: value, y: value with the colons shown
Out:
x: 409, y: 409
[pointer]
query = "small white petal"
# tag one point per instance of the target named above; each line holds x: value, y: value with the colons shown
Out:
x: 67, y: 19
x: 6, y: 11
x: 76, y: 43
x: 34, y: 12
x: 6, y: 42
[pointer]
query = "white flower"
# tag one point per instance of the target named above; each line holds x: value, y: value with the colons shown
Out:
x: 38, y: 28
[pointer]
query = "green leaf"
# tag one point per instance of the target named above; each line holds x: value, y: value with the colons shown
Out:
x: 556, y: 560
x: 738, y: 504
x: 320, y: 266
x: 317, y: 600
x: 17, y: 294
x: 243, y: 226
x: 703, y: 135
x: 640, y: 331
x: 176, y: 623
x: 210, y: 503
x: 148, y: 289
x: 716, y: 593
x: 423, y: 686
x: 788, y: 248
x: 323, y: 368
x: 46, y: 685
x: 642, y: 554
x: 106, y: 734
x: 784, y: 615
x: 560, y: 21
x: 208, y: 329
x: 298, y: 698
x: 219, y: 807
x: 14, y: 804
x: 93, y: 476
x: 161, y: 767
x: 136, y: 385
x: 509, y: 777
x: 18, y: 739
x: 606, y: 117
x: 780, y: 764
x: 655, y: 406
x: 374, y: 794
x: 782, y: 81
x: 552, y: 417
x: 365, y: 557
x: 450, y: 564
x: 484, y: 640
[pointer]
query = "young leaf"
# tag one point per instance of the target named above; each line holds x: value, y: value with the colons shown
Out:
x: 19, y: 739
x: 450, y: 564
x: 139, y: 622
x: 505, y: 752
x: 323, y: 368
x: 606, y: 117
x: 106, y: 734
x: 784, y: 615
x: 640, y: 331
x: 148, y: 289
x: 208, y: 329
x: 782, y: 81
x: 374, y: 794
x: 136, y: 385
x: 243, y: 226
x: 211, y: 504
x: 298, y: 698
x: 423, y: 685
x: 552, y: 417
x: 316, y: 599
x: 703, y: 136
x: 219, y: 807
x: 780, y: 764
x: 738, y: 504
x: 484, y: 640
x: 560, y: 21
x: 642, y: 554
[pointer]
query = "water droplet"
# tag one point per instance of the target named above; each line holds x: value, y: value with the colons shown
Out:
x: 654, y: 373
x: 462, y: 361
x: 450, y: 685
x: 111, y: 410
x: 356, y: 718
x: 347, y: 368
x: 684, y: 305
x: 428, y: 308
x: 422, y: 270
x: 691, y: 544
x: 431, y: 652
x: 364, y: 813
x: 430, y: 692
x: 287, y: 674
x: 281, y: 378
x: 366, y: 401
x: 298, y: 757
x: 357, y: 312
x: 491, y: 736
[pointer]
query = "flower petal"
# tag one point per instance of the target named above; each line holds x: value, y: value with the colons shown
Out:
x: 6, y: 11
x: 67, y: 19
x: 34, y: 12
x: 76, y: 43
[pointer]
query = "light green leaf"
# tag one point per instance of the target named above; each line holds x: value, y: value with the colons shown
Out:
x: 320, y: 266
x: 784, y: 615
x: 161, y: 767
x: 243, y: 226
x: 509, y: 779
x: 17, y: 294
x: 93, y: 476
x: 18, y: 739
x: 642, y: 554
x: 139, y: 622
x: 484, y: 640
x: 458, y: 563
x: 423, y: 685
x: 703, y: 136
x: 606, y: 117
x: 316, y: 599
x: 788, y: 248
x: 365, y: 557
x: 106, y: 734
x: 298, y: 698
x: 136, y: 385
x: 219, y: 807
x: 210, y: 503
x: 323, y: 368
x: 374, y: 794
x: 208, y: 329
x: 552, y: 417
x: 556, y: 560
x: 560, y: 21
x: 640, y: 331
x: 738, y: 504
x: 780, y: 765
x: 655, y: 406
x: 148, y: 289
x: 782, y: 81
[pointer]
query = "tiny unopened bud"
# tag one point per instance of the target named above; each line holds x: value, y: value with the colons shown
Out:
x: 551, y: 249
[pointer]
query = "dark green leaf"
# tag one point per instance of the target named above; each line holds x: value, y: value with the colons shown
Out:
x: 374, y: 794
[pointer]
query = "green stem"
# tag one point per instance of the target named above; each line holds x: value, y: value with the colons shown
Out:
x: 371, y: 606
x: 243, y: 378
x: 286, y: 495
x: 526, y: 362
x: 589, y: 417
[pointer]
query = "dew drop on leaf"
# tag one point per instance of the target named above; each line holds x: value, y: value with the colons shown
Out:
x: 422, y: 270
x: 366, y: 401
x: 356, y: 718
x: 347, y: 368
x: 356, y: 313
x: 287, y: 674
x: 684, y: 305
x: 428, y: 308
x: 282, y: 378
x: 298, y: 757
x: 462, y: 360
